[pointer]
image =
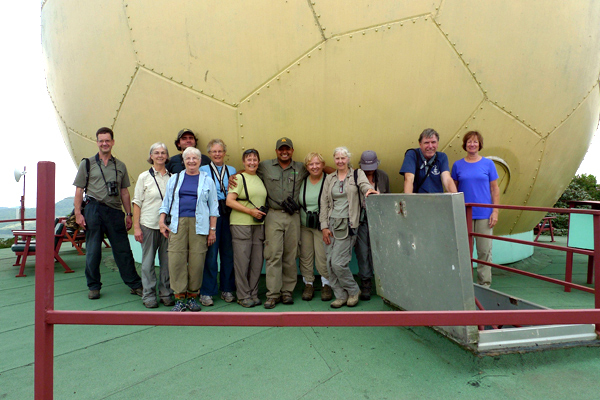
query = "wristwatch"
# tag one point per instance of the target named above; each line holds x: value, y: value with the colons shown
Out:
x: 129, y: 214
x: 213, y: 228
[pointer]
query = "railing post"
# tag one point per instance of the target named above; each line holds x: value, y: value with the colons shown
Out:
x: 469, y: 211
x: 597, y: 265
x: 44, y: 282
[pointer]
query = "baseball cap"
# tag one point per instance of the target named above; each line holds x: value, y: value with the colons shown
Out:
x: 183, y: 132
x: 284, y: 142
x: 369, y: 161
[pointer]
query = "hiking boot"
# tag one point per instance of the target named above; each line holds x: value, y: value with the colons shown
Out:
x: 271, y: 302
x: 257, y: 301
x: 247, y: 303
x: 365, y: 289
x: 192, y: 304
x: 151, y: 303
x: 308, y: 293
x: 179, y: 306
x: 337, y: 303
x: 286, y: 298
x: 326, y: 293
x: 228, y: 297
x: 206, y: 301
x: 352, y: 301
x: 137, y: 291
x: 167, y: 301
x: 94, y: 294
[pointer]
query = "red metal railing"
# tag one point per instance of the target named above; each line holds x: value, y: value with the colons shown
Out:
x: 46, y: 317
x: 594, y: 260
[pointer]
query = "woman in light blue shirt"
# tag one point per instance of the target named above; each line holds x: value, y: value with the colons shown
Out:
x: 188, y: 217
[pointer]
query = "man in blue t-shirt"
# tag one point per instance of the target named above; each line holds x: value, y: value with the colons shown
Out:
x: 426, y: 170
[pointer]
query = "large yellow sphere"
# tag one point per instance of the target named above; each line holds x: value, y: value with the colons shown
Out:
x: 370, y: 75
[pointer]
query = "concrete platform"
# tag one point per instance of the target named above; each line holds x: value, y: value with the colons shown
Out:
x: 125, y: 362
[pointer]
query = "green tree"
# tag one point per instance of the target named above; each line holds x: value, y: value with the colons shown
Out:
x: 582, y: 187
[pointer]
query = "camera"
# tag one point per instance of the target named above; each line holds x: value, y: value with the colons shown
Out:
x: 168, y: 219
x: 312, y: 220
x: 112, y: 188
x: 290, y: 206
x: 262, y: 217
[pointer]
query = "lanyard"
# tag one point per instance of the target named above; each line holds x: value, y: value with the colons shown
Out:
x: 151, y: 171
x: 220, y: 177
x: 100, y: 166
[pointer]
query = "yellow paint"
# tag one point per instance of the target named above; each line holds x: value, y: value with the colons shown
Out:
x: 370, y: 76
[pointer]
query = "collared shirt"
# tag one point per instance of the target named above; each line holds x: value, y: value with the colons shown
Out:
x: 415, y: 163
x: 280, y: 182
x: 115, y: 170
x: 147, y: 196
x: 206, y: 206
x: 231, y: 171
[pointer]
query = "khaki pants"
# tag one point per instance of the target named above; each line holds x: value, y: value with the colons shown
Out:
x: 282, y: 235
x: 339, y: 254
x: 187, y: 251
x: 484, y: 251
x: 247, y: 259
x: 312, y: 253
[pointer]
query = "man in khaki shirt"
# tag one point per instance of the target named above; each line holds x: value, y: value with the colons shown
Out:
x: 282, y: 178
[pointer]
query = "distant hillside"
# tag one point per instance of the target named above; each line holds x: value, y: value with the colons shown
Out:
x: 63, y: 208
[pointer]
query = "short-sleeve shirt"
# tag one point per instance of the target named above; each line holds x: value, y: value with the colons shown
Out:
x: 415, y: 163
x: 114, y: 171
x: 148, y: 196
x: 474, y: 181
x: 256, y: 192
x: 281, y: 183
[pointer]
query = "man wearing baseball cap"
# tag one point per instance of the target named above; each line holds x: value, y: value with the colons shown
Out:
x: 185, y: 138
x: 369, y: 163
x: 282, y: 177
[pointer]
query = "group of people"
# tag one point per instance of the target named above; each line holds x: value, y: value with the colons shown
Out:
x: 213, y: 226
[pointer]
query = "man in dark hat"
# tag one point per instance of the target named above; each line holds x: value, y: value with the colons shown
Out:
x: 185, y: 138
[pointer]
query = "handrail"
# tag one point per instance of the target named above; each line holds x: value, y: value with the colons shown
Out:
x: 46, y: 317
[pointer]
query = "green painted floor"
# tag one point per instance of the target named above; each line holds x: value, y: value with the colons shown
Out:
x: 126, y: 362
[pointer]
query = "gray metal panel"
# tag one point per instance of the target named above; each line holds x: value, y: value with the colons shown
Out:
x: 421, y: 255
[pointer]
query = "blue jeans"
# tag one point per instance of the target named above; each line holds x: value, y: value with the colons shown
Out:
x: 100, y: 220
x: 224, y: 248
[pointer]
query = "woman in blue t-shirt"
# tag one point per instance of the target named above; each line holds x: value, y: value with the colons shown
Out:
x: 477, y: 178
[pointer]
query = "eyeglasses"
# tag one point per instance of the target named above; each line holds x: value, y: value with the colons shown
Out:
x: 216, y: 152
x: 341, y: 186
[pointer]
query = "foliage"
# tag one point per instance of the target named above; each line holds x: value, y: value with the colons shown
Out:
x: 582, y: 187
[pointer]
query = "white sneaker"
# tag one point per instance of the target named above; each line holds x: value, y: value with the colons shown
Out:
x: 206, y: 301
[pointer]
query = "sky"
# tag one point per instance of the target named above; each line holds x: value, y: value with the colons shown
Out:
x: 30, y: 131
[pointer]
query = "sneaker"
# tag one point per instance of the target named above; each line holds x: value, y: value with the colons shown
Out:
x: 206, y: 301
x: 179, y: 306
x: 326, y: 293
x: 94, y: 294
x: 151, y: 303
x: 167, y: 301
x: 271, y: 302
x: 286, y: 298
x: 352, y: 301
x: 192, y: 304
x: 137, y: 291
x: 228, y: 297
x: 308, y: 293
x: 337, y: 303
x: 247, y: 303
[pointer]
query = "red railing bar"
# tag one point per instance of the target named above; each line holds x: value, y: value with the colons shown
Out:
x: 44, y: 282
x: 540, y: 277
x: 596, y: 222
x: 16, y: 220
x: 543, y: 209
x: 536, y: 244
x: 325, y: 318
